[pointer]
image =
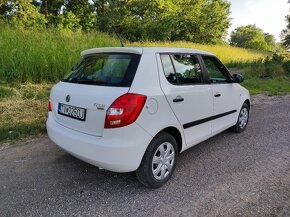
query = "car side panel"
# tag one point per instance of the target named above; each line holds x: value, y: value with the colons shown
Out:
x: 228, y: 102
x: 156, y: 114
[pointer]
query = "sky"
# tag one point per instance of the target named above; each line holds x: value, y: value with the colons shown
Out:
x: 269, y: 15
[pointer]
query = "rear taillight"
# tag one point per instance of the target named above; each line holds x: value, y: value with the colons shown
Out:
x: 49, y: 106
x: 124, y: 110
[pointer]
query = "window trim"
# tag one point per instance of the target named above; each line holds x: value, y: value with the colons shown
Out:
x: 128, y: 78
x: 225, y: 72
x: 203, y: 76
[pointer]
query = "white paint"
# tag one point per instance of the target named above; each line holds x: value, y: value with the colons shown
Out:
x: 122, y: 149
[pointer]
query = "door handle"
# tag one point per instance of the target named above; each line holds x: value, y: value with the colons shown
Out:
x: 217, y: 95
x: 178, y: 99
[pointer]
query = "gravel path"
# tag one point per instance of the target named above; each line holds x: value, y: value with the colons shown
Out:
x: 244, y: 174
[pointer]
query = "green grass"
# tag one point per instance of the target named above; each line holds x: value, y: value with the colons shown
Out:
x: 43, y: 56
x: 231, y: 56
x: 6, y: 92
x: 276, y: 86
x: 47, y: 55
x: 23, y: 111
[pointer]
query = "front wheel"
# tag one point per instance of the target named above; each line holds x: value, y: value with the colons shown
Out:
x: 242, y: 119
x: 159, y: 161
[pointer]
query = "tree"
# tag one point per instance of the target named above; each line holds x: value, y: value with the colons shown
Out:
x: 200, y: 21
x: 271, y: 41
x: 68, y: 20
x: 285, y: 35
x: 51, y: 7
x: 6, y: 8
x: 249, y: 37
x: 26, y: 15
x: 203, y: 21
x: 83, y: 10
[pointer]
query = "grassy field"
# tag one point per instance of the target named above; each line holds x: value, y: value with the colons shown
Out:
x: 23, y: 110
x: 31, y: 56
x: 231, y: 56
x: 31, y: 62
x: 37, y: 57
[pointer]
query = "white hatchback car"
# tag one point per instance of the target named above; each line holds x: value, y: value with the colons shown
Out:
x: 135, y: 109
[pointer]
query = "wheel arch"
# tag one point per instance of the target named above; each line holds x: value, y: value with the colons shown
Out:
x: 176, y: 134
x: 247, y: 101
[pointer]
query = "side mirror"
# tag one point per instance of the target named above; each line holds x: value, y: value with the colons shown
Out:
x: 237, y: 78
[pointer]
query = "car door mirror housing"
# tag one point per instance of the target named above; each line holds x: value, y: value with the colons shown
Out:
x: 237, y: 78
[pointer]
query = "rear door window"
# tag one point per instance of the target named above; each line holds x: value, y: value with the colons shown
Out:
x: 182, y: 69
x: 105, y: 70
x: 188, y: 69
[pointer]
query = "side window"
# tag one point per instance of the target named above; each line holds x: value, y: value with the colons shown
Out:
x: 188, y: 70
x: 168, y: 69
x: 215, y: 69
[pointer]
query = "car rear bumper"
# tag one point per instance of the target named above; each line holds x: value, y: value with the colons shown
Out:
x: 118, y: 150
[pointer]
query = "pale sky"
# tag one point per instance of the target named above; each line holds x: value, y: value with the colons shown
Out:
x: 268, y: 15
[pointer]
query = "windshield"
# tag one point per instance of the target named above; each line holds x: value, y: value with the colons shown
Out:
x: 108, y: 69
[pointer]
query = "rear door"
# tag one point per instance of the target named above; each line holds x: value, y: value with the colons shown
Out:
x: 190, y: 99
x: 80, y: 102
x: 226, y: 94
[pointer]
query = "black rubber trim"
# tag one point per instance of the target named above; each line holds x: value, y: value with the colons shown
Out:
x: 194, y: 123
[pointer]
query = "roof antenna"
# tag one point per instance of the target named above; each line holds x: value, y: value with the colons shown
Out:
x: 114, y: 26
x: 118, y: 36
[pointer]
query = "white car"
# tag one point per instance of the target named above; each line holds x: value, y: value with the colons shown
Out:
x: 135, y: 109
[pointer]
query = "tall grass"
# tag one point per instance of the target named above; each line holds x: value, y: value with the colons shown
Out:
x: 229, y: 55
x: 37, y: 56
x: 45, y: 56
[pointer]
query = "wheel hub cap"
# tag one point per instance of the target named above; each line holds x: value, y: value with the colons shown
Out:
x: 163, y: 161
x: 243, y: 118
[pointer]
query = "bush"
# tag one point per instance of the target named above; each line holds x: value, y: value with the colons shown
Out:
x: 286, y: 67
x: 255, y: 69
x: 271, y: 66
x: 274, y: 65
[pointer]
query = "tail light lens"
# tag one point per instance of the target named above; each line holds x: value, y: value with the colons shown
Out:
x: 49, y: 106
x: 124, y: 110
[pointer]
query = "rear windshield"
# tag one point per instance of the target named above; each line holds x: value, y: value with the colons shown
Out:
x: 108, y: 69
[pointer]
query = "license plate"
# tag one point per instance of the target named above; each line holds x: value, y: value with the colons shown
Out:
x: 72, y: 111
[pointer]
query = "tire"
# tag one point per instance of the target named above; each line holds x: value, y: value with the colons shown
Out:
x: 162, y: 142
x: 243, y: 119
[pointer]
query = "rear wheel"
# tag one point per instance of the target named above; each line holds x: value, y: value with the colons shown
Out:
x: 242, y: 119
x: 159, y: 161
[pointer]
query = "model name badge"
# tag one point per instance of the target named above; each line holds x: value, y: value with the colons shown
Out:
x: 100, y: 106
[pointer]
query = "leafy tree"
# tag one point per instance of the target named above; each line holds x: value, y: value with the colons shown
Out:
x: 202, y: 21
x: 285, y: 35
x: 83, y: 10
x: 153, y: 19
x: 249, y: 37
x: 6, y: 7
x: 68, y: 20
x: 51, y: 7
x: 271, y: 41
x: 26, y: 15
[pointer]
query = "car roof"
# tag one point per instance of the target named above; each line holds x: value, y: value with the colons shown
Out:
x: 141, y: 50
